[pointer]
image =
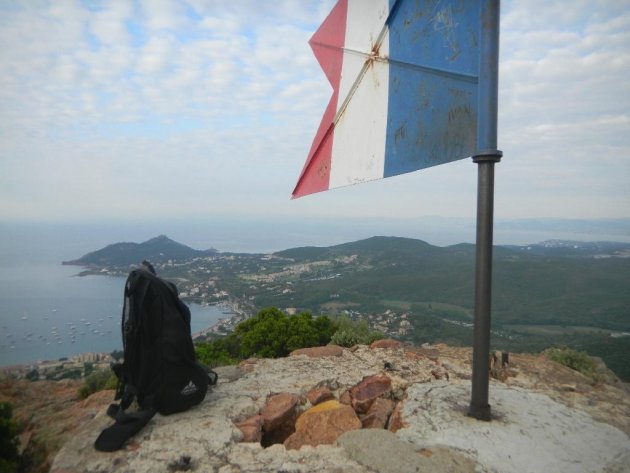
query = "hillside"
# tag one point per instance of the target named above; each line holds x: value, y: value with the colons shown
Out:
x: 157, y: 250
x: 538, y: 284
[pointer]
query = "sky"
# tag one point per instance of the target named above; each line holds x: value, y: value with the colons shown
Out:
x: 199, y: 108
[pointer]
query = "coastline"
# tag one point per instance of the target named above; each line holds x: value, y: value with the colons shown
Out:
x: 234, y: 315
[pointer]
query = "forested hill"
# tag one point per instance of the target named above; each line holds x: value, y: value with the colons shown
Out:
x: 566, y: 283
x: 157, y: 250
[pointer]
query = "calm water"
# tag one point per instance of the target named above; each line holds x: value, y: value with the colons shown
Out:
x: 48, y: 313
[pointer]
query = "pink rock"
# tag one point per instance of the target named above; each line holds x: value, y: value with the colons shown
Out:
x: 322, y: 424
x: 279, y: 408
x: 387, y: 343
x: 411, y: 355
x: 370, y: 388
x: 247, y: 365
x: 378, y: 414
x: 346, y: 398
x: 251, y: 428
x: 439, y: 373
x: 319, y: 395
x: 317, y: 352
x: 396, y: 421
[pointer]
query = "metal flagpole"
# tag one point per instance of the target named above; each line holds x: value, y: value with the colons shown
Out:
x: 485, y: 159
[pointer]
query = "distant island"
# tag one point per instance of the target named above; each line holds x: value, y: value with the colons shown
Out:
x: 545, y: 294
x: 158, y: 250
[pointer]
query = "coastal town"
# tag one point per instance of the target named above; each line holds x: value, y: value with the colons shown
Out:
x: 78, y: 366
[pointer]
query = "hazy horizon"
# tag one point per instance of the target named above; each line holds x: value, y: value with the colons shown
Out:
x: 59, y: 241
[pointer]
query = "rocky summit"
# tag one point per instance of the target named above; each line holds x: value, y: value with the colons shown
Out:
x: 386, y: 408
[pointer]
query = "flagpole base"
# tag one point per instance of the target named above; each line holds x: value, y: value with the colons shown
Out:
x: 480, y: 412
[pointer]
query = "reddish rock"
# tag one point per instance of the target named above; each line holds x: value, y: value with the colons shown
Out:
x: 97, y: 400
x: 425, y: 452
x: 319, y: 395
x: 279, y: 408
x: 387, y: 343
x: 412, y: 355
x: 346, y: 398
x: 251, y: 428
x: 440, y: 373
x: 322, y: 424
x: 378, y: 414
x: 317, y: 352
x: 247, y: 366
x: 370, y: 388
x: 50, y: 410
x: 396, y: 421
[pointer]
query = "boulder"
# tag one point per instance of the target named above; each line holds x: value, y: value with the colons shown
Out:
x: 387, y: 343
x: 322, y: 425
x: 278, y: 409
x: 370, y: 388
x: 440, y: 373
x: 251, y: 428
x: 396, y: 421
x: 319, y: 395
x: 378, y: 414
x: 317, y: 352
x: 384, y: 452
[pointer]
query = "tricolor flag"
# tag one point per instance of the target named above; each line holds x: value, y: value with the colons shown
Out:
x: 405, y: 84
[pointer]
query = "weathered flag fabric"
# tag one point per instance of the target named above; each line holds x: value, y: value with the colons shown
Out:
x: 405, y: 84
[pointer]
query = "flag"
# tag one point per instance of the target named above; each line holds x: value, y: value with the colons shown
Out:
x: 404, y: 75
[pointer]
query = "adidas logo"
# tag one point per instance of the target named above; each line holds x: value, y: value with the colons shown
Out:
x: 189, y: 389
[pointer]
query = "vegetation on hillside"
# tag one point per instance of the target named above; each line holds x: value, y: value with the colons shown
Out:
x: 582, y: 362
x: 350, y: 333
x: 576, y: 360
x: 542, y: 286
x: 97, y: 380
x: 9, y: 457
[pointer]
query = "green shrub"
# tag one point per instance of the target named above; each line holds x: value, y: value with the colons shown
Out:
x: 351, y: 333
x: 99, y: 380
x: 220, y: 352
x: 9, y: 457
x: 576, y: 360
x: 269, y: 334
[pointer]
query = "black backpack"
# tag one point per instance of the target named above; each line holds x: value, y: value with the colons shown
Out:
x: 159, y: 369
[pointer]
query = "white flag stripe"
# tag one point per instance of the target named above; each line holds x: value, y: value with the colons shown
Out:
x: 360, y: 133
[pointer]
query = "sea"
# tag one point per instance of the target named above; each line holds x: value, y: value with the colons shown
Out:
x: 47, y: 312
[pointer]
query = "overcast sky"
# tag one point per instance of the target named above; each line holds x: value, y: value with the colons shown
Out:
x: 197, y: 108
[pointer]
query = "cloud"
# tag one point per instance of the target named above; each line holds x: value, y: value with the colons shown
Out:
x: 201, y: 107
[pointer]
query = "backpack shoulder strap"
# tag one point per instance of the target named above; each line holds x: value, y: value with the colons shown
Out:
x: 213, y: 377
x: 126, y: 426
